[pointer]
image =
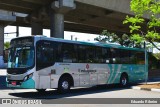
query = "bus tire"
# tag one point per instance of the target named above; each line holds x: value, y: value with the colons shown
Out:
x: 124, y: 80
x: 41, y: 90
x: 64, y: 85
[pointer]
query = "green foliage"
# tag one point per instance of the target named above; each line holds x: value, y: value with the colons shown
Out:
x: 140, y: 6
x: 137, y: 38
x: 124, y: 40
x: 153, y: 36
x: 134, y: 22
x: 141, y: 9
x: 6, y: 45
x: 106, y: 37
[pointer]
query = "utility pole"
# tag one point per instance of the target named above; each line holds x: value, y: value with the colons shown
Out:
x: 71, y: 37
x: 17, y: 31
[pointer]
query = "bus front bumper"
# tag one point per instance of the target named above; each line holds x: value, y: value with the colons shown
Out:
x: 29, y: 84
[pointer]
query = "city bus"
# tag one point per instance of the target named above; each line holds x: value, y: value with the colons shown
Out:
x: 39, y: 62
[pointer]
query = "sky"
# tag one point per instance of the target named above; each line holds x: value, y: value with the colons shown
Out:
x: 26, y: 31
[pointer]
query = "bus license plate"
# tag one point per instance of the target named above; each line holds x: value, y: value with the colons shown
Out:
x: 13, y: 83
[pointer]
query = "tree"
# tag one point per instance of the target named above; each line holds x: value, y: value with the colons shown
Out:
x: 123, y: 40
x: 150, y: 32
x: 106, y: 37
x: 6, y: 45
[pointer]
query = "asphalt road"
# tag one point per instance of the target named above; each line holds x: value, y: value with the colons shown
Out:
x: 94, y: 92
x: 112, y: 91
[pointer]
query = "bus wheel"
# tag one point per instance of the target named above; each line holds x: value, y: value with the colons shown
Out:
x: 124, y: 80
x: 41, y: 90
x: 64, y: 85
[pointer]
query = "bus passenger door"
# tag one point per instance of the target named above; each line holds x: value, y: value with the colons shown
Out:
x: 84, y: 78
x: 44, y: 81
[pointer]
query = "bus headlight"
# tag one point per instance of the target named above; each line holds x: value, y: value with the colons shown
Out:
x: 28, y: 77
x: 25, y: 78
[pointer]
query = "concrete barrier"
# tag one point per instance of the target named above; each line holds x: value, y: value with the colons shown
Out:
x: 3, y: 73
x: 3, y: 82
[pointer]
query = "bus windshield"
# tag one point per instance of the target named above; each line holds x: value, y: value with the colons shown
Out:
x: 21, y: 57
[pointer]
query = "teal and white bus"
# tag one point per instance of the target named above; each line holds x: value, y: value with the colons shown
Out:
x: 39, y: 62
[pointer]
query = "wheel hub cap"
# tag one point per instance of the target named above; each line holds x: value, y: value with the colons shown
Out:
x: 124, y: 81
x: 65, y: 85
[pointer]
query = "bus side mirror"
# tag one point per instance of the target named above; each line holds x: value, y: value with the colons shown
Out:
x: 5, y: 55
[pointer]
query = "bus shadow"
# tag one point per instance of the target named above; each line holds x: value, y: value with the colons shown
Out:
x: 53, y: 94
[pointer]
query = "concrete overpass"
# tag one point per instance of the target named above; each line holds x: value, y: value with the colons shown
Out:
x: 91, y: 16
x: 87, y: 16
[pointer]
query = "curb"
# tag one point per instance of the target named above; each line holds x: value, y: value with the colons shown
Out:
x: 146, y: 89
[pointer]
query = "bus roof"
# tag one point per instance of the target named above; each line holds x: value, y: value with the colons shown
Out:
x: 84, y: 43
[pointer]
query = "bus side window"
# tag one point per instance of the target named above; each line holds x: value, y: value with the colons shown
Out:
x: 45, y: 57
x: 98, y: 55
x: 106, y: 55
x: 69, y: 53
x: 58, y: 51
x: 113, y: 56
x: 81, y: 54
x: 133, y: 58
x: 140, y: 57
x: 90, y: 56
x: 75, y: 54
x: 125, y: 56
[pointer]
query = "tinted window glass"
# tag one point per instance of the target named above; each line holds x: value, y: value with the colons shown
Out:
x: 58, y: 51
x: 50, y: 52
x: 137, y: 57
x: 98, y: 55
x: 106, y: 55
x: 124, y: 56
x: 140, y: 57
x: 75, y: 54
x: 82, y: 54
x: 90, y: 54
x: 69, y: 52
x: 114, y: 56
x: 133, y: 57
x: 45, y: 55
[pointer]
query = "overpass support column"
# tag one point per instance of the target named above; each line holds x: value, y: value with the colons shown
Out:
x: 1, y: 45
x: 57, y: 25
x: 37, y: 28
x: 6, y: 18
x: 59, y: 8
